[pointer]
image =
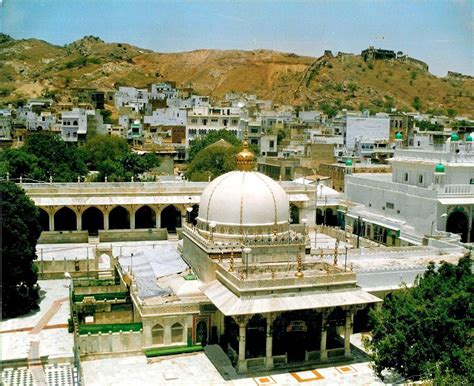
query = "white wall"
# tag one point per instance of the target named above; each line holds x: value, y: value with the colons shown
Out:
x: 370, y: 129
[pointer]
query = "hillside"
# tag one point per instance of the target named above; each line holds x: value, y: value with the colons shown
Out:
x: 32, y: 68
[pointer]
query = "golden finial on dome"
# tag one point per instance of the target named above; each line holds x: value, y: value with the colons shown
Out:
x: 245, y: 158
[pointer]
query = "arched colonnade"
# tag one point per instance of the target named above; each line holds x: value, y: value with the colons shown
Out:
x: 107, y: 217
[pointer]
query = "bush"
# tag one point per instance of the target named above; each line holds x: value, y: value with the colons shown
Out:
x: 155, y: 352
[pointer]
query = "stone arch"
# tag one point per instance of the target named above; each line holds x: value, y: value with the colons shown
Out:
x: 202, y: 332
x: 44, y: 219
x: 145, y: 217
x: 457, y: 222
x: 331, y: 218
x: 92, y: 220
x: 177, y: 333
x: 256, y: 336
x: 157, y: 334
x: 294, y: 214
x: 170, y: 218
x: 65, y: 220
x: 192, y: 216
x: 119, y: 218
x: 105, y: 262
x: 319, y: 216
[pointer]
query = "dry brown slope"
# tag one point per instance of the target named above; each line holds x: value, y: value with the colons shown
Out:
x: 33, y: 66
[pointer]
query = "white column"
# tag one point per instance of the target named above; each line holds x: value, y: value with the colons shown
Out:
x: 347, y: 333
x: 324, y: 334
x: 242, y: 323
x: 79, y: 221
x: 106, y: 219
x: 51, y: 220
x: 269, y: 343
x: 157, y: 217
x: 132, y: 219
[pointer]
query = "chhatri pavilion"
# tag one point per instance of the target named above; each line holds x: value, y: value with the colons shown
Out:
x: 272, y: 304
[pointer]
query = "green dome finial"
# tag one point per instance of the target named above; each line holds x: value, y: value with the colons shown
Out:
x: 348, y: 162
x: 469, y: 138
x: 439, y: 168
x: 399, y: 136
x: 454, y: 137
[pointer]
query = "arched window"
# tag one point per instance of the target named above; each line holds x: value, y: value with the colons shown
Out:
x: 177, y: 333
x: 157, y: 334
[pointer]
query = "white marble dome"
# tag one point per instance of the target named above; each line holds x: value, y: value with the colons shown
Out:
x: 243, y: 199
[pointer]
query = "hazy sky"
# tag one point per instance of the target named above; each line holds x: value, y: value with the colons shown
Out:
x: 439, y: 32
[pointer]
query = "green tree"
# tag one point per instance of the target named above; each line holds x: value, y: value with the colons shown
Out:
x: 215, y: 135
x: 416, y: 104
x: 352, y: 87
x: 111, y: 156
x: 20, y: 232
x: 212, y: 161
x: 44, y: 154
x: 17, y: 163
x: 425, y: 332
x: 281, y: 135
x: 451, y: 113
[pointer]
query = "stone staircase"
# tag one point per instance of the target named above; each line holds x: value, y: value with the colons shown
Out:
x: 220, y: 360
x: 173, y: 237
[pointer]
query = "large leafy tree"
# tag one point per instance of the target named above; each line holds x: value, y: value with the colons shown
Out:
x: 214, y: 160
x: 20, y: 232
x: 112, y: 157
x: 44, y: 155
x: 215, y: 135
x: 426, y: 332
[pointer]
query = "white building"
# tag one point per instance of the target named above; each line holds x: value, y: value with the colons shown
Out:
x: 163, y: 91
x: 203, y: 120
x: 74, y: 125
x: 132, y: 97
x: 170, y: 116
x: 428, y: 191
x: 365, y: 130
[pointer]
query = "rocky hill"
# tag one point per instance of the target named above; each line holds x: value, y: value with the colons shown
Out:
x: 31, y: 68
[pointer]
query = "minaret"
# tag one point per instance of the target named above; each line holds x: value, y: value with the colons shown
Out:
x: 245, y: 158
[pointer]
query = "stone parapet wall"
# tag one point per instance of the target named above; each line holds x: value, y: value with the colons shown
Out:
x: 117, y: 342
x: 133, y: 235
x: 60, y: 237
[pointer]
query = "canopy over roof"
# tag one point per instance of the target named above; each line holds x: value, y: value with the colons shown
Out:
x: 230, y: 304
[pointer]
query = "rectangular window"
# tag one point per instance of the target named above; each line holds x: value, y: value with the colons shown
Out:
x: 420, y: 179
x: 389, y: 205
x: 405, y: 177
x: 272, y: 143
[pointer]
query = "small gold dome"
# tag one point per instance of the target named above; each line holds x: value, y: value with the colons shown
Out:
x: 245, y: 158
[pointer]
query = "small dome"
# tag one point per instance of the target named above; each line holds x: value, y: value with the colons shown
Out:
x: 399, y: 136
x: 244, y: 199
x: 439, y: 168
x: 348, y: 162
x: 469, y: 138
x: 454, y: 137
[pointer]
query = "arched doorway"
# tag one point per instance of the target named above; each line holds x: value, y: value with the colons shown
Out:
x: 170, y: 218
x: 92, y: 220
x: 296, y: 332
x: 457, y: 223
x: 145, y: 218
x: 194, y: 214
x: 330, y: 218
x: 119, y: 218
x: 319, y: 216
x: 44, y: 219
x: 65, y: 220
x: 256, y: 337
x: 294, y: 214
x: 201, y: 332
